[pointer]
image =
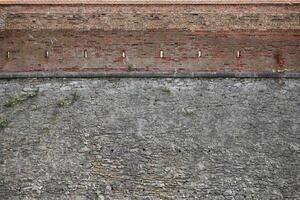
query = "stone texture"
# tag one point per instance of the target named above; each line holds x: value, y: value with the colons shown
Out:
x: 149, y: 139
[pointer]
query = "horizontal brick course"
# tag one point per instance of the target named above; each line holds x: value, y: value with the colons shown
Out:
x: 152, y: 17
x: 267, y: 37
x: 260, y: 52
x: 147, y: 1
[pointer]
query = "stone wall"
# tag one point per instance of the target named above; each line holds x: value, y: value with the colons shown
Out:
x: 149, y: 139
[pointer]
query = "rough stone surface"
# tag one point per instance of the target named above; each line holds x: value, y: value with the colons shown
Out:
x: 150, y: 139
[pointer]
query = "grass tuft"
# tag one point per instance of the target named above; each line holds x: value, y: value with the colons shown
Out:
x: 16, y: 99
x: 61, y: 102
x: 3, y: 123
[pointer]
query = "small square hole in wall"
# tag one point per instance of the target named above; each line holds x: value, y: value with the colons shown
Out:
x: 46, y: 54
x: 199, y: 54
x: 161, y: 53
x: 85, y: 54
x: 238, y: 54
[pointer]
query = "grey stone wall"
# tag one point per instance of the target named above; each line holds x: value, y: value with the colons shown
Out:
x: 149, y: 139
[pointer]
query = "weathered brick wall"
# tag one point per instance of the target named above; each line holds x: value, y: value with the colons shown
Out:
x: 260, y: 52
x: 267, y: 37
x: 150, y: 139
x: 145, y: 17
x: 97, y: 2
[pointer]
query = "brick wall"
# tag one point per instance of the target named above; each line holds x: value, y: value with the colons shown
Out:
x: 127, y: 51
x: 123, y: 139
x: 148, y: 2
x: 265, y: 36
x: 145, y: 17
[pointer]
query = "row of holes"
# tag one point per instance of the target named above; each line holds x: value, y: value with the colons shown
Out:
x: 85, y: 54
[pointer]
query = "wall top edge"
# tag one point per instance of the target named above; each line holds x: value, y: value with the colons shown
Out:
x: 139, y: 2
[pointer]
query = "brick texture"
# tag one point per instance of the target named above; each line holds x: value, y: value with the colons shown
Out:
x: 148, y: 1
x: 267, y: 38
x: 138, y: 17
x: 259, y: 52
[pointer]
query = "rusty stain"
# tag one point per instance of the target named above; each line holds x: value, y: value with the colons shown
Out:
x: 279, y: 58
